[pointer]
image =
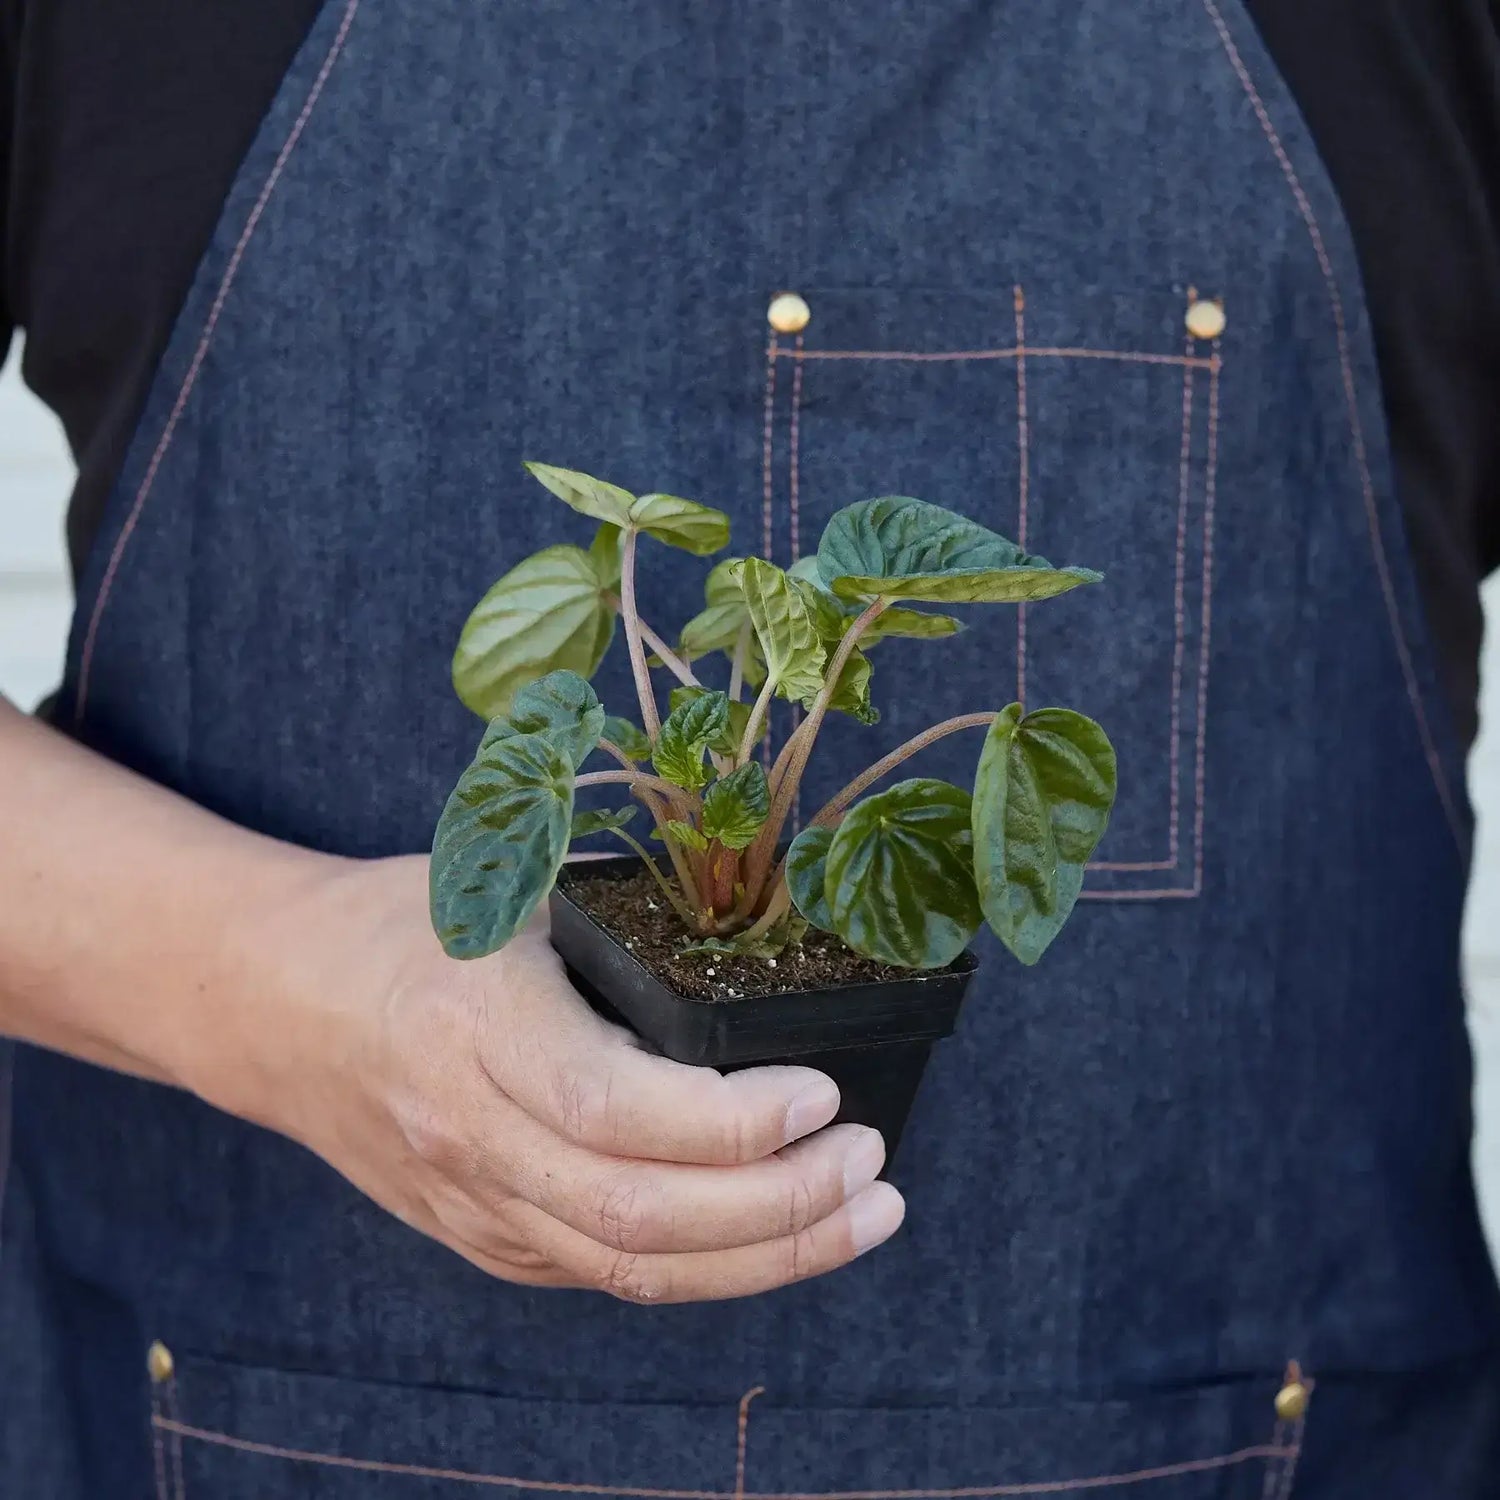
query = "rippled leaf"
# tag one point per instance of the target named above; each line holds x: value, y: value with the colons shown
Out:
x: 1042, y: 799
x: 563, y: 707
x: 900, y: 875
x: 717, y: 626
x: 626, y: 737
x: 770, y: 944
x: 686, y: 734
x: 735, y: 806
x: 550, y: 612
x: 733, y: 735
x: 899, y: 548
x: 601, y: 820
x: 787, y: 632
x: 806, y: 869
x: 499, y: 843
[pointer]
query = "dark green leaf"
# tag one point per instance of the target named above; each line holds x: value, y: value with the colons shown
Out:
x: 561, y: 706
x: 899, y: 548
x: 718, y: 625
x: 686, y: 734
x: 806, y: 866
x: 499, y: 843
x: 685, y: 834
x: 729, y: 742
x: 788, y: 634
x: 680, y: 523
x: 548, y: 613
x: 899, y: 875
x: 735, y: 806
x: 626, y: 737
x: 1042, y: 799
x: 601, y: 820
x: 769, y: 945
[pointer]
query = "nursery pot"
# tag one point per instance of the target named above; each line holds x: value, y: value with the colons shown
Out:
x: 873, y: 1040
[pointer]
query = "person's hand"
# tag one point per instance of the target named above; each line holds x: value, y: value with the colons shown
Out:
x: 487, y: 1105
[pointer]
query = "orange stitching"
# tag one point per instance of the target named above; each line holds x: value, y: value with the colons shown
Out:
x: 158, y: 1456
x: 794, y: 486
x: 1356, y: 426
x: 179, y: 1483
x: 1131, y: 356
x: 742, y: 1434
x: 190, y: 380
x: 974, y: 1492
x: 1023, y: 449
x: 767, y: 485
x: 1210, y: 497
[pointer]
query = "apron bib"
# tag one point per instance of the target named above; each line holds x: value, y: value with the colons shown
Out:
x: 1224, y: 1126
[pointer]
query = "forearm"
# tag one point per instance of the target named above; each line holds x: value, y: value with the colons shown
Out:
x: 127, y: 914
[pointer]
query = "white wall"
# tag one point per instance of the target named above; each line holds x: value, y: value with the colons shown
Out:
x: 34, y: 607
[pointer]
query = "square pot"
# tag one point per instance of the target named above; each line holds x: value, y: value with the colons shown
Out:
x: 873, y: 1040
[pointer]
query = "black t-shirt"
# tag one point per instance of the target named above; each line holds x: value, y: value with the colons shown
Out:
x: 125, y: 124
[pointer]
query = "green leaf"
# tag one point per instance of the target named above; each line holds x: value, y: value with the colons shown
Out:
x: 806, y: 867
x: 899, y: 875
x: 770, y: 944
x: 680, y: 523
x: 1042, y: 799
x: 909, y: 624
x: 561, y: 706
x: 606, y: 551
x: 787, y: 631
x: 729, y: 742
x: 686, y: 734
x: 735, y: 806
x: 718, y: 625
x: 899, y: 548
x: 831, y: 620
x: 601, y: 820
x: 499, y: 843
x: 685, y: 834
x: 548, y: 613
x: 625, y: 736
x: 694, y: 528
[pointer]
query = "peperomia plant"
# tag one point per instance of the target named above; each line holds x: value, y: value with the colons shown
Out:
x: 905, y: 876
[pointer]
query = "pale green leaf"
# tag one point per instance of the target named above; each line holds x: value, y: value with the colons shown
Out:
x: 601, y: 820
x: 685, y: 834
x: 717, y: 626
x: 787, y: 631
x: 680, y: 523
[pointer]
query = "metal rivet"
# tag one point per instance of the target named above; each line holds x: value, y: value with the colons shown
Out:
x: 159, y: 1363
x: 1205, y: 320
x: 788, y: 313
x: 1291, y: 1402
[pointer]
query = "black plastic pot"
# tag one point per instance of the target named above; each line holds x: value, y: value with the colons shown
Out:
x: 873, y: 1040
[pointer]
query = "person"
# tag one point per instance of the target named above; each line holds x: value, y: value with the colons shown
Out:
x: 292, y: 1204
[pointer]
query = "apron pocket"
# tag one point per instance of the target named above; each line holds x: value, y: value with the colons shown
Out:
x: 234, y: 1432
x: 1083, y: 423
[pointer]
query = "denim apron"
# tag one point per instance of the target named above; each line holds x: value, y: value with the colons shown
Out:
x: 1072, y: 269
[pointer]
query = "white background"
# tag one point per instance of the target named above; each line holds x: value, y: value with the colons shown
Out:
x: 35, y: 602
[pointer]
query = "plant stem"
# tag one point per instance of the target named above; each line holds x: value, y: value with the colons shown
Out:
x: 611, y: 749
x: 669, y: 658
x: 737, y: 663
x: 633, y: 777
x: 776, y: 909
x: 643, y: 688
x: 758, y: 713
x: 678, y: 904
x: 797, y: 750
x: 832, y: 809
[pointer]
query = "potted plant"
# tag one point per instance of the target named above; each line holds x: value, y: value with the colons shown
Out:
x: 845, y: 949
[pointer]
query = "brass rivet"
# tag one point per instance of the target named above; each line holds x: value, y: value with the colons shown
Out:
x: 159, y: 1363
x: 1205, y: 319
x: 788, y: 313
x: 1291, y: 1402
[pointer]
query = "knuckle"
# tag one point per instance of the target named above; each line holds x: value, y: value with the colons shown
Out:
x: 628, y: 1277
x: 586, y: 1108
x: 433, y: 1140
x: 801, y: 1255
x: 620, y: 1211
x: 801, y: 1207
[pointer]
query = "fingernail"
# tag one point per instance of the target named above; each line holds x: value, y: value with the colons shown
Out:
x: 812, y: 1109
x: 862, y: 1165
x: 875, y: 1216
